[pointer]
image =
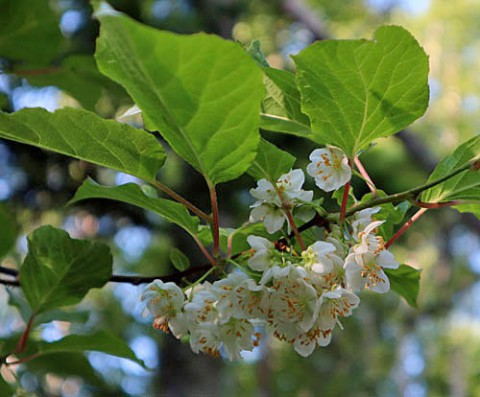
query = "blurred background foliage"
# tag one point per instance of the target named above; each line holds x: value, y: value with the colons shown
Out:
x: 386, y: 349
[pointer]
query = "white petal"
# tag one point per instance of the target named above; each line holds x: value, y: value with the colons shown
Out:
x: 260, y: 261
x: 274, y: 221
x: 381, y: 287
x: 259, y: 243
x: 386, y: 259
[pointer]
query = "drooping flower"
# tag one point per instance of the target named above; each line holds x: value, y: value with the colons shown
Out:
x: 293, y: 302
x: 364, y: 266
x: 165, y: 302
x: 237, y: 335
x: 329, y: 166
x: 271, y: 200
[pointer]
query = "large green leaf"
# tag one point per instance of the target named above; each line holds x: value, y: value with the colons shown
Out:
x: 464, y: 186
x: 201, y: 92
x: 131, y: 193
x: 271, y: 162
x: 79, y: 77
x: 101, y: 341
x: 355, y: 91
x: 281, y: 110
x: 84, y: 135
x: 59, y: 271
x: 8, y: 230
x: 29, y: 31
x: 405, y: 281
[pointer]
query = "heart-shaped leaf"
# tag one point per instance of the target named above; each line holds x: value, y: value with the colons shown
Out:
x: 355, y: 91
x: 202, y: 93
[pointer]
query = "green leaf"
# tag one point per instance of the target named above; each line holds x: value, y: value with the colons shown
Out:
x: 29, y: 31
x: 281, y: 110
x: 355, y: 91
x: 101, y: 342
x: 201, y: 92
x: 464, y: 186
x: 179, y: 259
x: 8, y: 230
x: 16, y: 300
x: 255, y: 51
x: 79, y: 77
x: 132, y: 193
x: 84, y: 135
x: 271, y: 162
x: 405, y: 281
x: 59, y: 271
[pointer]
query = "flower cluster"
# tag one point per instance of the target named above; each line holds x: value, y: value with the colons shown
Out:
x: 299, y: 297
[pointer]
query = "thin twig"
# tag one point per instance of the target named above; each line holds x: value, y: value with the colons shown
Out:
x: 197, y: 211
x: 409, y: 223
x: 215, y: 219
x: 365, y: 175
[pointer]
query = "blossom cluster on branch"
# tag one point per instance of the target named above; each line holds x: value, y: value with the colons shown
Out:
x: 297, y: 295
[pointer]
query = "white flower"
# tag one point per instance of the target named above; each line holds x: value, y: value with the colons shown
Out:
x: 272, y: 216
x: 262, y: 257
x: 224, y: 290
x: 202, y: 308
x: 271, y: 199
x: 320, y: 257
x: 238, y: 335
x: 292, y: 300
x: 251, y: 300
x: 165, y: 302
x: 205, y: 338
x: 330, y: 168
x: 364, y: 266
x: 362, y: 219
x: 334, y: 304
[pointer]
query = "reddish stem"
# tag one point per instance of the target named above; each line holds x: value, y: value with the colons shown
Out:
x: 23, y: 360
x: 295, y: 230
x: 364, y: 173
x: 197, y: 211
x: 343, y: 208
x: 22, y: 343
x: 409, y: 223
x: 204, y: 251
x: 215, y: 220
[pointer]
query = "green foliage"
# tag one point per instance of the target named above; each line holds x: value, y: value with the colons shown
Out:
x: 59, y: 271
x: 271, y: 162
x: 78, y: 76
x: 102, y: 341
x: 465, y: 185
x: 8, y: 230
x: 405, y: 281
x: 73, y: 316
x: 132, y: 194
x: 29, y: 31
x: 281, y: 110
x: 355, y: 91
x: 201, y: 92
x: 179, y: 259
x: 84, y: 135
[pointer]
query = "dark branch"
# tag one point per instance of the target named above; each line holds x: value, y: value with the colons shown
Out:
x: 134, y: 280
